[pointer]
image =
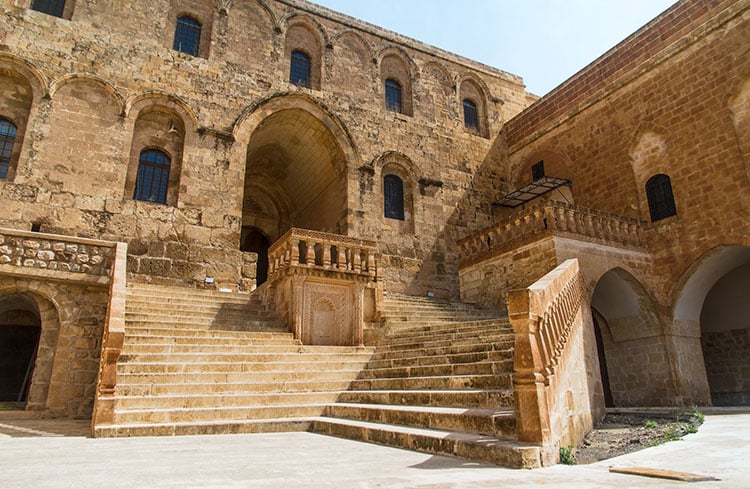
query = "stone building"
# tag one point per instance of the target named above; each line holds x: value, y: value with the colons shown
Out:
x: 323, y: 173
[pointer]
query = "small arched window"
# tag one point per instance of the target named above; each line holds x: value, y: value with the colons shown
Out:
x: 660, y: 198
x: 393, y: 101
x: 299, y: 70
x: 153, y: 176
x: 7, y: 137
x: 471, y: 115
x: 393, y: 197
x: 51, y: 7
x: 187, y: 35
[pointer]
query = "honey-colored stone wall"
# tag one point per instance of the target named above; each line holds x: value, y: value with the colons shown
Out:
x: 102, y: 76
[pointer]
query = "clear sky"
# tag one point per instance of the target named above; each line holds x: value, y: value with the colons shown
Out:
x: 543, y: 41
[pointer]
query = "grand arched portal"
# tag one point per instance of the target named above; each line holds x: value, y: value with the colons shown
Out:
x: 295, y: 176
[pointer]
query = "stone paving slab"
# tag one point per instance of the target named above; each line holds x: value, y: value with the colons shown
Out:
x: 305, y: 461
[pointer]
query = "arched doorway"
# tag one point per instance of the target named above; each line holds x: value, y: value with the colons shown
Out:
x: 632, y: 355
x: 255, y: 241
x: 20, y: 331
x: 295, y: 176
x: 714, y: 304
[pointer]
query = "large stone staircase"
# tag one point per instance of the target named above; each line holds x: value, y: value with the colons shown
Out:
x: 198, y: 362
x: 439, y: 382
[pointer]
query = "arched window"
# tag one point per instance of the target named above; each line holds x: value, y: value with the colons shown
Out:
x: 7, y: 137
x: 299, y: 70
x: 51, y: 7
x: 393, y: 96
x: 660, y: 198
x: 153, y: 176
x: 187, y: 35
x: 393, y: 197
x: 471, y: 115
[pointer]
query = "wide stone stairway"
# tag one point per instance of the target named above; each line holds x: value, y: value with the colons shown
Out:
x: 439, y: 382
x: 197, y: 362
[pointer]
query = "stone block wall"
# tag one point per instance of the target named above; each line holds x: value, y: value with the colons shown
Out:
x: 727, y: 355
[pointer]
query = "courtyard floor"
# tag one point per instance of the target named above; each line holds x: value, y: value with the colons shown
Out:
x: 43, y: 454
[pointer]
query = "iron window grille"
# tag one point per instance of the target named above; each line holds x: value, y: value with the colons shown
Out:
x: 7, y: 137
x: 471, y: 115
x: 393, y: 96
x: 299, y: 70
x: 51, y: 7
x: 660, y: 197
x: 187, y: 36
x: 393, y: 197
x: 153, y: 176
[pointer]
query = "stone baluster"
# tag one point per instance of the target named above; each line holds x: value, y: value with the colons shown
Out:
x: 327, y: 254
x: 310, y: 257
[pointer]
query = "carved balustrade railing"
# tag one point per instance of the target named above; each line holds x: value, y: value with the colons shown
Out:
x: 544, y: 316
x: 325, y: 252
x: 552, y: 218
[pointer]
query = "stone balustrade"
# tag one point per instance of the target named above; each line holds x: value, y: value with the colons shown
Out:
x: 551, y: 402
x: 314, y: 250
x: 56, y: 253
x: 552, y: 218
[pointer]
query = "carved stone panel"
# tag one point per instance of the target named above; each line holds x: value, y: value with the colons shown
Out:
x: 328, y: 313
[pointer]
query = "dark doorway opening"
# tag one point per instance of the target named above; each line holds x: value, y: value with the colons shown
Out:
x: 253, y: 240
x: 20, y: 330
x: 608, y: 400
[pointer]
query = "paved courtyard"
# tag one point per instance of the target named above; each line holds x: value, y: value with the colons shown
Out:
x: 49, y: 454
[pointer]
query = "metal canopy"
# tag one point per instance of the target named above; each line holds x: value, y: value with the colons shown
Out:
x: 532, y: 191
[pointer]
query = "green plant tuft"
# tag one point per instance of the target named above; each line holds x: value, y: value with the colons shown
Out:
x: 650, y: 423
x: 566, y: 455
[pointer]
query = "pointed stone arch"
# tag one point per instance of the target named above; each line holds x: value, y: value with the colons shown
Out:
x: 304, y: 34
x: 88, y: 78
x: 472, y: 88
x: 397, y: 66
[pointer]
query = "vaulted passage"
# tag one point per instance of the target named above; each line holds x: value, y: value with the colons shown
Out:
x: 295, y: 176
x: 20, y: 328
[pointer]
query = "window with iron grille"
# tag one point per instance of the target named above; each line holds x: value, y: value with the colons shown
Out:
x: 471, y: 115
x: 660, y: 198
x: 393, y: 197
x: 393, y: 96
x: 187, y: 36
x: 51, y: 7
x: 537, y: 171
x: 299, y: 70
x: 153, y: 176
x: 7, y: 137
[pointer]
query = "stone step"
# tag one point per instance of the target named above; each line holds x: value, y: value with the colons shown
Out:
x: 475, y: 447
x: 277, y: 376
x: 446, y: 349
x: 473, y: 398
x: 483, y: 421
x: 438, y: 359
x: 497, y: 340
x: 190, y: 317
x: 214, y: 414
x: 445, y: 369
x: 250, y: 324
x: 329, y: 366
x: 480, y: 333
x: 487, y: 381
x: 132, y: 339
x: 301, y: 360
x: 214, y: 427
x: 133, y: 402
x: 240, y: 387
x: 172, y: 348
x: 496, y: 325
x: 206, y: 333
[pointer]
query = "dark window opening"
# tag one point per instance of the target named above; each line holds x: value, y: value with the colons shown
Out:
x: 299, y: 70
x: 187, y: 36
x: 537, y: 171
x: 7, y: 137
x: 153, y: 176
x: 255, y: 241
x: 660, y: 198
x: 36, y: 227
x: 393, y: 96
x: 471, y: 115
x: 51, y: 7
x: 393, y: 197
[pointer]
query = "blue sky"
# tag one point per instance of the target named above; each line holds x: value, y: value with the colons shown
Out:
x: 544, y: 41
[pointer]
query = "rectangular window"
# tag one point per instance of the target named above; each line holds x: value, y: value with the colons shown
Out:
x: 187, y: 36
x: 51, y: 7
x: 537, y: 171
x: 393, y: 96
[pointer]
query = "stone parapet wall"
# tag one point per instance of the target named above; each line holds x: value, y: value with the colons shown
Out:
x: 56, y: 253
